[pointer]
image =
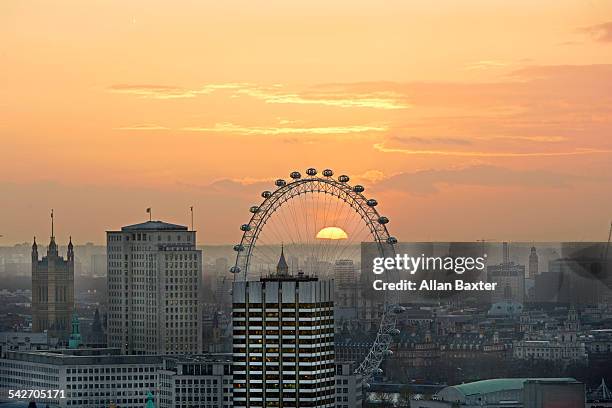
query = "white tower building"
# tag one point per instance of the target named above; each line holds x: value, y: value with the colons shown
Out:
x: 284, y: 341
x: 154, y: 289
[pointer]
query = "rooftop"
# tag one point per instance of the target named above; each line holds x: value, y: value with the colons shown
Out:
x: 503, y: 384
x: 154, y: 226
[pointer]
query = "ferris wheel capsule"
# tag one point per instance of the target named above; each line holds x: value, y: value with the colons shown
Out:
x: 358, y: 188
x: 245, y: 227
x: 383, y: 220
x: 266, y: 194
x: 328, y: 172
x: 295, y: 175
x: 392, y: 240
x: 311, y: 171
x: 239, y: 248
x: 254, y: 209
x: 372, y: 202
x: 343, y: 178
x: 235, y: 269
x: 280, y: 183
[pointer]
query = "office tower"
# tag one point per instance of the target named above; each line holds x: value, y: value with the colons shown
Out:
x: 505, y: 253
x: 533, y: 263
x: 344, y: 272
x: 52, y: 289
x: 154, y: 286
x: 284, y: 341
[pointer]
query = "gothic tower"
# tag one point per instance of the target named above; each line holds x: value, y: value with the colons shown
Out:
x: 52, y: 289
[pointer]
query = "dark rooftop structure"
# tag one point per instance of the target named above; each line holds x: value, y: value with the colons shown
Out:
x: 154, y: 226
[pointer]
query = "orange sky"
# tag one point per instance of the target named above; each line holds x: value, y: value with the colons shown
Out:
x: 466, y: 120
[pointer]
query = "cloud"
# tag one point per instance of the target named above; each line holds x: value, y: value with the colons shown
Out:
x: 170, y: 92
x: 429, y: 181
x: 274, y: 130
x: 486, y: 64
x: 375, y: 100
x: 381, y: 147
x: 600, y: 32
x: 144, y: 126
x: 274, y: 94
x: 429, y: 140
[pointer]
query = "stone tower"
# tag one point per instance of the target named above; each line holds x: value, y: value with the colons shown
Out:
x: 52, y: 289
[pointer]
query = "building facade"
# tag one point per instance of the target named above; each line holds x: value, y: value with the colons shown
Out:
x: 154, y: 289
x: 284, y: 341
x: 89, y: 378
x: 349, y: 386
x: 203, y: 381
x: 52, y: 289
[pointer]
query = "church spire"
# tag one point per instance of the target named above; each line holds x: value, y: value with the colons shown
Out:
x: 282, y: 269
x: 75, y: 335
x: 52, y: 245
x: 34, y: 250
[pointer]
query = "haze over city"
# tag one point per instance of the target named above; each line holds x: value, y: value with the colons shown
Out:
x: 465, y: 120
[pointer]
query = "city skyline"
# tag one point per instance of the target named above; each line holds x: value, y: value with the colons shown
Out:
x: 451, y: 115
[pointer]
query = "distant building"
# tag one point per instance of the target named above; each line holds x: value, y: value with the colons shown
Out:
x: 565, y: 346
x: 510, y: 280
x: 98, y: 265
x: 284, y: 341
x: 577, y: 281
x: 344, y: 273
x: 533, y: 263
x: 509, y: 392
x: 52, y: 289
x: 23, y: 341
x: 154, y: 287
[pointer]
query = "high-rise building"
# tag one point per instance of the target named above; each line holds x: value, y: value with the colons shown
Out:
x: 154, y: 289
x: 284, y: 341
x: 533, y: 263
x: 344, y: 272
x: 52, y: 289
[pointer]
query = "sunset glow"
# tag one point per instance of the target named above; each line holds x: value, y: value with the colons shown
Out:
x: 451, y: 114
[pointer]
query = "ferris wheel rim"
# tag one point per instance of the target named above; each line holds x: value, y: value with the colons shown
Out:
x: 365, y: 208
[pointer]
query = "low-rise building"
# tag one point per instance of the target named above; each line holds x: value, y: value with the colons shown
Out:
x: 196, y: 381
x: 509, y: 392
x: 349, y: 386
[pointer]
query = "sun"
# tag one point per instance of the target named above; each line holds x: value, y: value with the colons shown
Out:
x: 332, y: 233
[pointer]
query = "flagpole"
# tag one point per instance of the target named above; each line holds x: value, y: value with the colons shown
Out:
x: 191, y: 209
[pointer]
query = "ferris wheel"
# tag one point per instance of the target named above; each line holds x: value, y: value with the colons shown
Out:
x: 318, y: 221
